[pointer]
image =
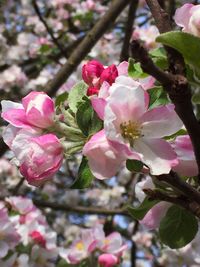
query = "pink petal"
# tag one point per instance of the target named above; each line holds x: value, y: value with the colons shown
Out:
x: 160, y: 121
x: 9, y: 135
x: 154, y: 216
x: 103, y: 158
x: 182, y: 16
x: 98, y: 105
x: 16, y: 117
x: 157, y: 154
x: 187, y: 163
x: 123, y: 68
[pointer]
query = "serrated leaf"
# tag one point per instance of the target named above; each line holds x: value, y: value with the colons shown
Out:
x: 135, y: 70
x: 134, y: 165
x: 87, y: 119
x: 61, y: 98
x: 85, y: 176
x: 139, y: 212
x: 178, y: 227
x: 157, y: 97
x: 76, y: 94
x: 187, y: 44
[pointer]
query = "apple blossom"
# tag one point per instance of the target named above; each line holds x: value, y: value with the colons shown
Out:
x: 188, y: 17
x: 187, y: 166
x: 128, y: 122
x: 40, y: 156
x: 36, y: 110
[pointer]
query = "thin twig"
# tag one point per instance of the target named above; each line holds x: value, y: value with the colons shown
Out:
x: 50, y: 32
x: 128, y: 30
x: 78, y: 209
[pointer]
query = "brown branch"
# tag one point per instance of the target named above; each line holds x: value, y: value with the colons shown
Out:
x: 79, y: 209
x: 178, y: 90
x: 161, y: 17
x: 50, y: 32
x: 174, y: 180
x: 86, y: 45
x: 128, y: 30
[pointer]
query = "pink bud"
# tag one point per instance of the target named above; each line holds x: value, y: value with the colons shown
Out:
x: 91, y: 72
x: 109, y: 75
x: 38, y: 238
x: 92, y: 91
x: 107, y: 260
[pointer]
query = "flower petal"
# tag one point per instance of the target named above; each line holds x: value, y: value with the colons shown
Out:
x: 182, y: 15
x: 160, y: 121
x: 157, y: 154
x: 154, y: 216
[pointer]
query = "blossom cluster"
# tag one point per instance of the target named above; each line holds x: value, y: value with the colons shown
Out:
x: 131, y: 129
x: 27, y: 239
x: 110, y: 246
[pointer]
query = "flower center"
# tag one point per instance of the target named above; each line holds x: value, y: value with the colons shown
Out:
x: 130, y: 131
x: 80, y: 245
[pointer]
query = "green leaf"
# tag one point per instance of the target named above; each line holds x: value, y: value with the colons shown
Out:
x: 157, y: 97
x: 196, y: 98
x: 188, y: 45
x: 134, y: 165
x: 45, y: 48
x: 85, y: 176
x: 87, y: 119
x: 62, y: 263
x: 76, y: 94
x: 60, y: 99
x: 135, y: 70
x: 178, y: 227
x: 138, y: 213
x: 158, y: 53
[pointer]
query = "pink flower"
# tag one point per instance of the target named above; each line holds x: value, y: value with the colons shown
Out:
x: 109, y: 74
x: 188, y: 17
x: 128, y: 122
x: 91, y: 72
x: 40, y: 157
x: 37, y: 109
x: 107, y: 260
x: 187, y: 163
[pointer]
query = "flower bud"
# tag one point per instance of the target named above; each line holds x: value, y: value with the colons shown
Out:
x: 92, y: 91
x: 109, y: 75
x: 91, y: 72
x: 107, y: 260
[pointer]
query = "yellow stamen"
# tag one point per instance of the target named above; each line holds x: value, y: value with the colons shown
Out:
x: 80, y: 245
x: 130, y: 131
